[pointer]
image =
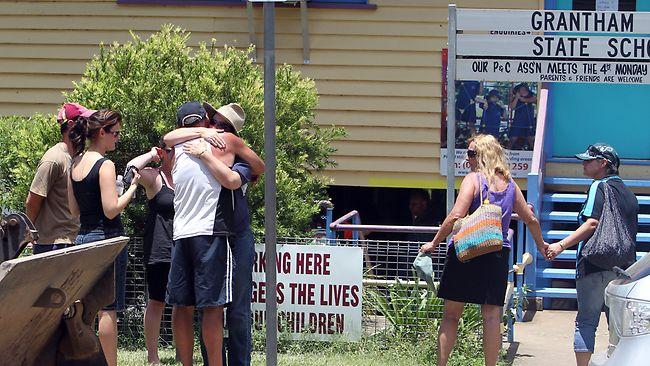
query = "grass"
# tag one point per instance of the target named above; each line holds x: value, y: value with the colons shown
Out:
x: 133, y: 358
x: 365, y: 353
x: 409, y: 339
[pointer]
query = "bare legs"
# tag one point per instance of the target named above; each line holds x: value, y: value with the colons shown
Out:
x: 582, y: 358
x: 108, y: 335
x: 448, y: 331
x: 211, y: 327
x: 447, y: 334
x: 152, y: 317
x: 182, y: 326
x: 491, y: 333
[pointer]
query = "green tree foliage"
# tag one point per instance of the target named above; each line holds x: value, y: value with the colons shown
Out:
x: 146, y: 81
x: 23, y: 142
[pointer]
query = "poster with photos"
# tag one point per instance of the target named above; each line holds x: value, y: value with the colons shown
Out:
x: 505, y: 110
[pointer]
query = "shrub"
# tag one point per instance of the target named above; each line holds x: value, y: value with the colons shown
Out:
x: 146, y: 80
x: 23, y: 141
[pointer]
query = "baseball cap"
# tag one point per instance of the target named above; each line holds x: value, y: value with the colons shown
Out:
x: 601, y: 151
x: 232, y: 113
x: 70, y: 111
x: 189, y: 113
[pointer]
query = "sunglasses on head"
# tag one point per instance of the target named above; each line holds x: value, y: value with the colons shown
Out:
x: 594, y: 152
x: 471, y: 153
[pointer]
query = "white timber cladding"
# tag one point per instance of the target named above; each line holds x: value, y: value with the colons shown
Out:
x: 377, y: 72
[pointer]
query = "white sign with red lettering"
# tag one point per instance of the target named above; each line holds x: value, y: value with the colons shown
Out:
x: 318, y: 289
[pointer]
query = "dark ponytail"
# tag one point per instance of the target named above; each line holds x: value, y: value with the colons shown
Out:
x: 78, y: 135
x: 88, y: 128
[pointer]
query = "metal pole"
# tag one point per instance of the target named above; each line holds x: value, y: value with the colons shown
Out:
x: 304, y: 23
x: 252, y: 39
x: 451, y: 108
x: 270, y: 230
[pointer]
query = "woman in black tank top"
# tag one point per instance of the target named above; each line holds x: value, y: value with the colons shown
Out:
x: 93, y: 195
x: 158, y: 241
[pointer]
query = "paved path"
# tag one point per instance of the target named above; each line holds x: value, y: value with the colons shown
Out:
x: 548, y: 339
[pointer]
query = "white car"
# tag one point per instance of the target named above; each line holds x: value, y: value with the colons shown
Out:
x: 628, y: 299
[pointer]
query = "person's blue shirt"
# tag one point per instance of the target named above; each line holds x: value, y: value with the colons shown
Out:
x: 524, y: 114
x: 241, y: 216
x: 467, y: 92
x: 491, y: 120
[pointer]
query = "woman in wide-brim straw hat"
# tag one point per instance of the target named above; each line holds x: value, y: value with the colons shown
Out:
x: 482, y: 280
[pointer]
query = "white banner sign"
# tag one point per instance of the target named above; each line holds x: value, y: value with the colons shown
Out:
x: 543, y: 46
x: 555, y: 47
x: 553, y: 71
x: 519, y: 161
x: 488, y: 20
x: 319, y: 291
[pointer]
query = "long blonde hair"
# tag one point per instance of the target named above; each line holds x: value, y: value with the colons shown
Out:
x: 490, y: 157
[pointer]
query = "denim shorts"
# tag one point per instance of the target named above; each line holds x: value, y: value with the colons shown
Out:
x: 44, y: 248
x: 201, y: 272
x: 119, y: 304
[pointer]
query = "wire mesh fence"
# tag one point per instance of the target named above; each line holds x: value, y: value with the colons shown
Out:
x: 393, y: 300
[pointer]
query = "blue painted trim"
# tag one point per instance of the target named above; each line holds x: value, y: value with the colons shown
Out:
x: 570, y: 254
x: 561, y: 234
x: 580, y: 198
x: 564, y: 293
x: 558, y: 273
x: 577, y: 161
x: 566, y: 216
x: 356, y: 220
x: 329, y: 233
x: 587, y: 181
x: 534, y: 196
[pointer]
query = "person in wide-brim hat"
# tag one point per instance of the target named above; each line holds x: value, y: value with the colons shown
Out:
x: 231, y: 113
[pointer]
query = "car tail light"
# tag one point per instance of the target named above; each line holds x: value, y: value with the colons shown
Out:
x: 629, y: 317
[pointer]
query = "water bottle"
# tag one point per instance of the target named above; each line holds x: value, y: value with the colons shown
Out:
x: 119, y: 182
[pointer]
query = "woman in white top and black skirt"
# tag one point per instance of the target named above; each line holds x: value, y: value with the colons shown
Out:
x: 481, y: 280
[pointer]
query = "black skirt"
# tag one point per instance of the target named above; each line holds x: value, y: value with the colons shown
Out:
x: 482, y: 280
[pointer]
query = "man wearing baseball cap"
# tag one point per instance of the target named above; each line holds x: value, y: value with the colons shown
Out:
x: 600, y: 162
x: 47, y: 201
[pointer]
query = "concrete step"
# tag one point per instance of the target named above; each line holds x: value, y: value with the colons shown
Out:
x: 556, y: 292
x: 557, y: 273
x: 581, y: 198
x: 570, y: 254
x: 587, y: 181
x: 567, y: 216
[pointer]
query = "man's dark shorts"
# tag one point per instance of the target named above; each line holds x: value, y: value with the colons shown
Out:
x: 201, y: 272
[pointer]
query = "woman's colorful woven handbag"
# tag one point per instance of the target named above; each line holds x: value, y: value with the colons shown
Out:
x: 480, y: 232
